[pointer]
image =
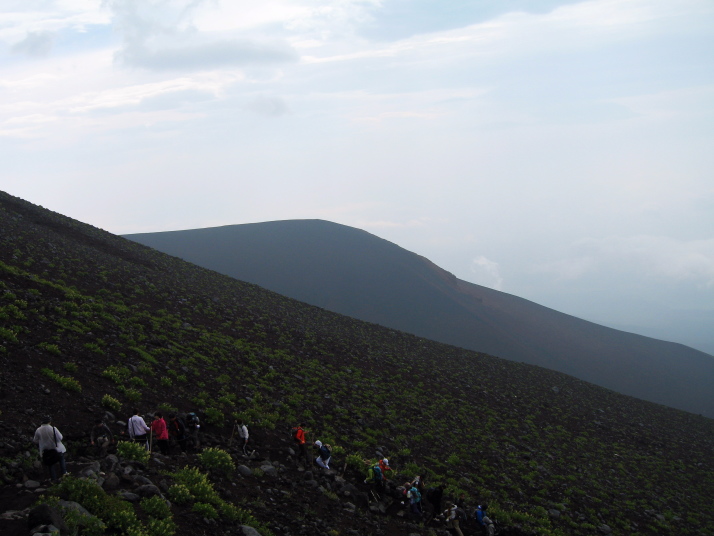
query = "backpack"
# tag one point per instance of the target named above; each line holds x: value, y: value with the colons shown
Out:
x: 325, y: 452
x: 461, y: 515
x: 376, y: 473
x: 415, y: 495
x: 192, y: 420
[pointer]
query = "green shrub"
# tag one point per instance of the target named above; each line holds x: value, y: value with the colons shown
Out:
x: 205, y: 510
x: 111, y: 403
x: 132, y: 451
x: 67, y: 382
x: 217, y: 460
x: 117, y: 374
x: 161, y: 527
x: 155, y: 507
x: 51, y: 348
x: 71, y: 367
x: 180, y: 494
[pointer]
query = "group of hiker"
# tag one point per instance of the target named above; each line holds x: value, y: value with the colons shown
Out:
x: 412, y: 493
x: 184, y: 432
x: 160, y: 432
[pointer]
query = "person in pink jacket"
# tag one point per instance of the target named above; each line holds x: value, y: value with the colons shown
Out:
x: 161, y: 433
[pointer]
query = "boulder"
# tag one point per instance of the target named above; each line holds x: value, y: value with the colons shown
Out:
x: 249, y: 531
x: 75, y: 506
x: 111, y: 482
x: 244, y: 470
x: 44, y: 514
x: 148, y: 490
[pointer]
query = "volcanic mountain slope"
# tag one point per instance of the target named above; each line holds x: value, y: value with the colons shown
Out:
x: 91, y: 321
x: 357, y: 274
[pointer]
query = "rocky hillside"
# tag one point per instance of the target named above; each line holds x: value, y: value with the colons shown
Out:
x: 92, y: 324
x: 355, y: 273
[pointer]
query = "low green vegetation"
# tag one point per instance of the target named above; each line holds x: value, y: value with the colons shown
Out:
x: 141, y: 328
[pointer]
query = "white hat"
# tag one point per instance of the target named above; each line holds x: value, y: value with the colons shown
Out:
x: 386, y: 461
x: 318, y: 443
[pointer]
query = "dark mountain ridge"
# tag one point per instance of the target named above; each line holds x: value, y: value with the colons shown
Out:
x: 92, y: 324
x: 352, y: 272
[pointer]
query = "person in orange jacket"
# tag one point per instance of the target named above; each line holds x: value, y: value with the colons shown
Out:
x: 299, y: 437
x: 384, y: 466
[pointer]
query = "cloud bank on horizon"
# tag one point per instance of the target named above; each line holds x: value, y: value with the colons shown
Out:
x: 561, y: 153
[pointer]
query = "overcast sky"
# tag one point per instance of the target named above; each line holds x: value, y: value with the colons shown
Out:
x: 563, y: 153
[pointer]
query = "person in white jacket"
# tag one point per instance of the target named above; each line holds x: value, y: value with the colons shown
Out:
x: 243, y: 434
x: 48, y: 438
x: 137, y: 429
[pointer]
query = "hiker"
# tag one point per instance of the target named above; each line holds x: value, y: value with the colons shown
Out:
x: 160, y: 431
x: 192, y: 427
x: 323, y: 460
x: 137, y: 429
x: 454, y: 515
x: 414, y: 496
x: 483, y: 520
x: 243, y: 434
x: 384, y: 467
x: 49, y: 440
x: 299, y: 438
x: 374, y: 475
x: 177, y: 430
x: 434, y: 497
x: 101, y: 437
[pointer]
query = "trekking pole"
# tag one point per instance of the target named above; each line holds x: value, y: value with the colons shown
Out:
x: 230, y: 441
x: 151, y: 440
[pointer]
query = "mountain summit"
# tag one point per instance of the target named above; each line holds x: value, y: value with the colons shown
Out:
x: 355, y: 273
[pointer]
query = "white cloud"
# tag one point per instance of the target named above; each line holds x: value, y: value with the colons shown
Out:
x: 486, y: 272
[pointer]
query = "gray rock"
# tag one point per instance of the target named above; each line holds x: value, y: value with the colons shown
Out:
x: 128, y: 496
x: 244, y: 470
x: 148, y: 490
x: 32, y: 484
x: 604, y: 529
x: 554, y: 513
x: 111, y: 482
x: 45, y: 530
x: 269, y: 470
x: 72, y: 505
x: 249, y: 531
x: 44, y: 514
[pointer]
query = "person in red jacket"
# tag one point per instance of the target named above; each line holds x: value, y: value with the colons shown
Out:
x: 384, y: 466
x: 299, y: 437
x: 158, y: 428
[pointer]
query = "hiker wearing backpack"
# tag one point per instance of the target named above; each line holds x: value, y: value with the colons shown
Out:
x: 193, y: 425
x: 484, y: 521
x: 101, y: 437
x: 434, y: 497
x: 177, y: 430
x: 454, y: 515
x: 384, y: 467
x: 243, y: 434
x: 414, y: 496
x: 374, y: 476
x: 298, y: 434
x: 137, y: 429
x: 323, y: 460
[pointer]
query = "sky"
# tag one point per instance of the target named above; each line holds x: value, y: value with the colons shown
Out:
x: 558, y: 150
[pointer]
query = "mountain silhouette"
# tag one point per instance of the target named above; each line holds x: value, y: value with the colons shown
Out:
x: 355, y: 273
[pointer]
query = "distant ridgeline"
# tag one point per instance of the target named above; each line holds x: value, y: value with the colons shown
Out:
x: 354, y: 273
